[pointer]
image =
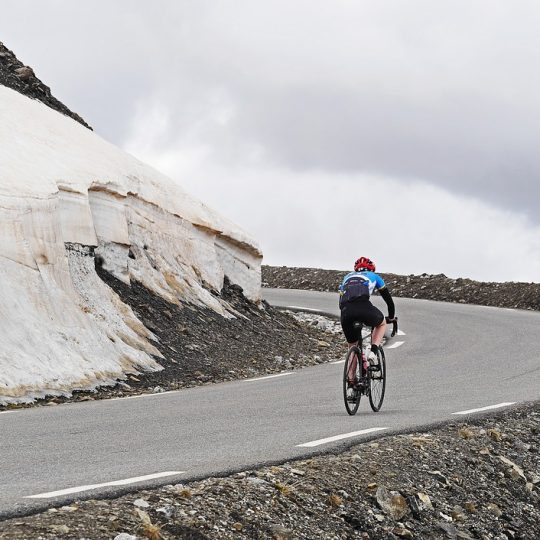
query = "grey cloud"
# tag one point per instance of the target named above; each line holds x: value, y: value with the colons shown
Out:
x: 445, y: 93
x: 488, y: 151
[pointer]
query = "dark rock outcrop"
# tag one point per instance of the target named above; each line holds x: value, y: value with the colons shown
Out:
x: 15, y: 75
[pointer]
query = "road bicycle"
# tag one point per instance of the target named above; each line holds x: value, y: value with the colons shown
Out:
x: 363, y: 378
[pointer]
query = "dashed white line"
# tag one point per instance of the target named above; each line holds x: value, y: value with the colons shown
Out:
x: 340, y: 437
x: 401, y: 333
x: 124, y: 482
x: 488, y: 408
x: 395, y: 345
x: 268, y: 377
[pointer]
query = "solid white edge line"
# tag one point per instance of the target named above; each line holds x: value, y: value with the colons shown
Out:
x: 268, y: 377
x: 153, y: 394
x: 313, y: 310
x: 124, y: 482
x: 339, y: 437
x: 489, y: 407
x: 395, y: 345
x: 6, y: 412
x: 144, y: 395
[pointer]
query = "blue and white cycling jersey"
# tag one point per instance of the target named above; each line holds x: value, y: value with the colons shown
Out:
x: 359, y: 285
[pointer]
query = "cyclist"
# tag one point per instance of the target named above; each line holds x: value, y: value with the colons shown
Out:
x: 354, y: 303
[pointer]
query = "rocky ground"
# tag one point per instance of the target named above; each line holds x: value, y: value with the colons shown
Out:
x: 17, y: 76
x: 477, y: 479
x: 425, y: 286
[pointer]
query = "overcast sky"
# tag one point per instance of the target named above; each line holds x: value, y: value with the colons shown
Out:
x: 404, y: 131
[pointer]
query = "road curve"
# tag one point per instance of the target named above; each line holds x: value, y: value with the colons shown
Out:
x: 453, y: 358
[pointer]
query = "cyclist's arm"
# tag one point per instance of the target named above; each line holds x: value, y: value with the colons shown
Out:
x: 387, y: 297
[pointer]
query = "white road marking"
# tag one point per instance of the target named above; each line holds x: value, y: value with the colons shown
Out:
x: 489, y: 407
x: 312, y: 310
x: 268, y: 377
x: 144, y: 395
x: 401, y: 333
x: 125, y: 482
x: 395, y: 345
x: 6, y: 412
x: 338, y: 361
x: 339, y: 437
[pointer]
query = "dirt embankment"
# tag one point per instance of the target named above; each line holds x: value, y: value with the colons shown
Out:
x: 425, y: 286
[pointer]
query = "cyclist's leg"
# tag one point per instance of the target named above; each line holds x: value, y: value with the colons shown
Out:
x: 348, y: 317
x: 352, y: 366
x: 378, y: 333
x: 351, y: 335
x: 374, y: 318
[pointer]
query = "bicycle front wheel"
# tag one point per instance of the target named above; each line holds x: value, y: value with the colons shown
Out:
x: 351, y: 379
x: 377, y: 381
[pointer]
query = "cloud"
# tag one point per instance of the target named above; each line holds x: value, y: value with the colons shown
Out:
x: 323, y: 219
x: 445, y: 92
x: 438, y: 100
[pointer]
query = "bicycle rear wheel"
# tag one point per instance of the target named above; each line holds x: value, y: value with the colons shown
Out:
x: 377, y: 381
x: 351, y: 378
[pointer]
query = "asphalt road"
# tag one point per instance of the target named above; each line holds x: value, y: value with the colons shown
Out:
x: 452, y: 358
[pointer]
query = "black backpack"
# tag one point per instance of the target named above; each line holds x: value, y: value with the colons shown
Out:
x: 354, y: 288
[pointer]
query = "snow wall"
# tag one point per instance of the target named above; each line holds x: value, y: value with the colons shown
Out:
x: 66, y: 196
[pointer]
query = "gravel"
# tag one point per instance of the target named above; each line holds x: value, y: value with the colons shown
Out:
x: 425, y: 286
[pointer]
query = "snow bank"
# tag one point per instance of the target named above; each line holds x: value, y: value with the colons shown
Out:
x: 65, y: 195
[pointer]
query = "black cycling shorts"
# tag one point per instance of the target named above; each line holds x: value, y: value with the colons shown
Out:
x: 359, y: 310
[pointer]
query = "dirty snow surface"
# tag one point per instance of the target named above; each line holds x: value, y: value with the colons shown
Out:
x: 68, y: 198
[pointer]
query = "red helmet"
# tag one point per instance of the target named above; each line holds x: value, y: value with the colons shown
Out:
x: 363, y: 263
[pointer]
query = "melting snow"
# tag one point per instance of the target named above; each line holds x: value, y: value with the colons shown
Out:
x: 66, y: 194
